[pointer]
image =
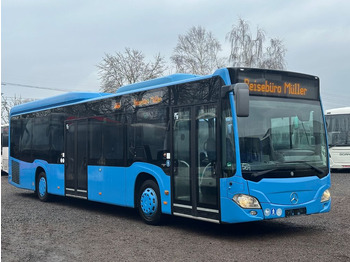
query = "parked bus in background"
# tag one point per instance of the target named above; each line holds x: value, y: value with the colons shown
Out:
x: 4, y: 149
x: 238, y: 145
x: 338, y: 126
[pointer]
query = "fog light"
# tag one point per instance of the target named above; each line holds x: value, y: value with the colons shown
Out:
x: 253, y: 213
x: 326, y: 195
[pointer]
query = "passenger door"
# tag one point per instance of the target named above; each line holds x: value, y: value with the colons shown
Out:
x: 76, y: 140
x: 195, y: 170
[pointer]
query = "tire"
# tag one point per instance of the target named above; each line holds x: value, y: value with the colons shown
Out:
x: 148, y: 203
x: 41, y: 187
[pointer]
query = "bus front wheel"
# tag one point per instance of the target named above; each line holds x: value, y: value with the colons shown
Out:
x: 41, y: 187
x: 149, y: 202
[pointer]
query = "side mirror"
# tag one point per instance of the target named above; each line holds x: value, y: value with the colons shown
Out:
x: 241, y: 93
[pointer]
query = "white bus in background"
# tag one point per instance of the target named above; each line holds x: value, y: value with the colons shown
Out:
x: 338, y: 126
x: 4, y: 149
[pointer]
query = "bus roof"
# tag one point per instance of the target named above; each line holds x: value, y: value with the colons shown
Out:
x: 54, y: 101
x: 338, y: 111
x: 156, y: 81
x: 174, y: 79
x: 79, y: 97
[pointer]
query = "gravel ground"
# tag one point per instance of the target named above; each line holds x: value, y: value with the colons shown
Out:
x: 66, y: 229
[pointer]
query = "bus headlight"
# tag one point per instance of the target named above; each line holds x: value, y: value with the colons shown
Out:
x: 246, y: 201
x: 326, y: 196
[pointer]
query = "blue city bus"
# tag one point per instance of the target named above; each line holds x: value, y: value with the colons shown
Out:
x: 239, y: 145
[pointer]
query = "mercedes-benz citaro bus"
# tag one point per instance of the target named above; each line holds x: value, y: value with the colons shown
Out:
x: 239, y: 145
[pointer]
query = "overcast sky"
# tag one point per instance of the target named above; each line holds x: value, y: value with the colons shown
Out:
x: 58, y: 43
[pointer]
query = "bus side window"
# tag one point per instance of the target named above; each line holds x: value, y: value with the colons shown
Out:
x: 150, y: 132
x: 95, y: 141
x: 25, y: 143
x: 113, y: 141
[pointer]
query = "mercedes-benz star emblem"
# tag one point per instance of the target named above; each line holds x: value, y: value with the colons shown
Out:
x: 294, y: 198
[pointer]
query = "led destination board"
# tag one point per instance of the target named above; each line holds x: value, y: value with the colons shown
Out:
x: 288, y: 88
x: 277, y: 83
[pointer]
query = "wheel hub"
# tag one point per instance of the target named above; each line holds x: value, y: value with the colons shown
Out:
x: 149, y: 202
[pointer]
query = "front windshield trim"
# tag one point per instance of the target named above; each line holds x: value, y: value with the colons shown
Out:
x: 283, y: 134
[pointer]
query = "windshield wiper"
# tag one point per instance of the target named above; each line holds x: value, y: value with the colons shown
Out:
x: 264, y: 172
x: 320, y: 171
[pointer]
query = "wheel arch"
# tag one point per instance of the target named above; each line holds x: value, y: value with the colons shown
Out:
x: 141, y: 178
x: 137, y: 173
x: 163, y: 183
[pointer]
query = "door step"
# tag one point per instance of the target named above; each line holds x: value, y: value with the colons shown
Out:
x: 205, y: 214
x: 198, y: 218
x: 71, y: 192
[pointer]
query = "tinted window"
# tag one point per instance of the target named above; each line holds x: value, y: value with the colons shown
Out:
x: 113, y: 140
x: 15, y: 136
x: 150, y: 135
x: 206, y: 90
x: 228, y: 145
x: 41, y: 133
x: 25, y: 143
x: 37, y: 136
x: 95, y: 139
x: 57, y: 135
x: 106, y: 138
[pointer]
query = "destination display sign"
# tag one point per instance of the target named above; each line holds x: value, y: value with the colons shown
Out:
x: 139, y: 100
x: 279, y: 83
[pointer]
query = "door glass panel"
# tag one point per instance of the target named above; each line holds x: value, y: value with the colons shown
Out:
x: 82, y: 154
x: 182, y: 154
x: 70, y: 155
x: 206, y: 123
x: 228, y: 152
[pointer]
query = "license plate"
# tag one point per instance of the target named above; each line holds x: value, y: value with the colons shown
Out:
x: 296, y: 212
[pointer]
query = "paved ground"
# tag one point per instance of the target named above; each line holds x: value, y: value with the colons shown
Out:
x: 75, y: 230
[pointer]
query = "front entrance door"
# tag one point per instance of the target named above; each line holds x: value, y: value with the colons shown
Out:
x: 76, y: 138
x: 195, y: 171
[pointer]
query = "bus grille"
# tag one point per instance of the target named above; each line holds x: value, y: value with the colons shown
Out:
x: 15, y: 172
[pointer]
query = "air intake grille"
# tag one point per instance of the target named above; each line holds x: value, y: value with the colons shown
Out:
x: 15, y: 172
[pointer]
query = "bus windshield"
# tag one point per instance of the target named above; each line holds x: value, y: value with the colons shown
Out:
x: 281, y: 135
x: 338, y: 130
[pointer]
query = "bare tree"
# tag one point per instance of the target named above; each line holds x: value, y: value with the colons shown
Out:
x: 274, y: 55
x: 250, y: 51
x: 197, y: 52
x: 7, y: 103
x: 128, y: 68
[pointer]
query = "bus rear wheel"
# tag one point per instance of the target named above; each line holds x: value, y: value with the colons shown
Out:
x: 148, y: 202
x: 41, y: 187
